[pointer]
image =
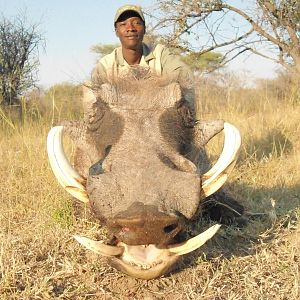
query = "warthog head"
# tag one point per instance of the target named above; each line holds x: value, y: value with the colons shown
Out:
x: 133, y: 166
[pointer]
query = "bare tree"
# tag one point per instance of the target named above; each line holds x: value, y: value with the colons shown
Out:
x: 269, y: 28
x: 19, y: 43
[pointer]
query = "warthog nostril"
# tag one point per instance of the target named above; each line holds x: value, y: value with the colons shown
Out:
x: 144, y: 224
x: 170, y: 228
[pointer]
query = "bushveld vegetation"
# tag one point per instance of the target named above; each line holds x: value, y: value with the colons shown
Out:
x: 39, y: 259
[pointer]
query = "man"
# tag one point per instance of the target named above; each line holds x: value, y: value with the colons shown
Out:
x: 129, y: 23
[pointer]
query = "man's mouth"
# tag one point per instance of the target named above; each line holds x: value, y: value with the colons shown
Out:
x: 132, y: 37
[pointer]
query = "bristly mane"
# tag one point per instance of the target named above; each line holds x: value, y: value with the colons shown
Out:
x: 140, y: 89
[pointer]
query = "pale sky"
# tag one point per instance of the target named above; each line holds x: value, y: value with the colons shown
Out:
x: 71, y: 27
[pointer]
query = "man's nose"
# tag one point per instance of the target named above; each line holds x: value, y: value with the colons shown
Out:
x: 130, y: 27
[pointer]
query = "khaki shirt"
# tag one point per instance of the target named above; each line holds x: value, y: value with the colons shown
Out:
x: 160, y: 60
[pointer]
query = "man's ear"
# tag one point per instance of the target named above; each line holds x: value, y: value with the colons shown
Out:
x: 116, y: 32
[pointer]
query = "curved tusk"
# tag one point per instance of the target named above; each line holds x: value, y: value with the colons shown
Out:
x: 195, y: 242
x: 217, y: 175
x: 62, y: 169
x: 98, y: 247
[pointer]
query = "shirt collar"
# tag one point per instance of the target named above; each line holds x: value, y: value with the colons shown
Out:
x: 147, y: 55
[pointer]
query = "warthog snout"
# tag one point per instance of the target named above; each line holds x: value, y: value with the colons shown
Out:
x: 144, y: 224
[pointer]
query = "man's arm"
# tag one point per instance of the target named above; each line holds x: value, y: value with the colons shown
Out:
x: 173, y: 66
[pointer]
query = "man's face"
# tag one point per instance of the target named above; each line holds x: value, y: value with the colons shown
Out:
x: 130, y: 30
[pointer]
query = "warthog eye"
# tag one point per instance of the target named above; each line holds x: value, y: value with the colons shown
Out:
x: 97, y: 169
x: 170, y: 228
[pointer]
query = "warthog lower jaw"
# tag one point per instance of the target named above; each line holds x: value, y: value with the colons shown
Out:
x: 146, y: 261
x: 145, y: 267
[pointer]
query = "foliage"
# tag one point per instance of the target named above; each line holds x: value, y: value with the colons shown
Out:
x: 19, y: 42
x: 197, y: 61
x: 104, y: 49
x: 267, y: 28
x: 203, y: 62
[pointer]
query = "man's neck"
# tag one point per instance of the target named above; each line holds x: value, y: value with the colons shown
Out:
x: 132, y: 56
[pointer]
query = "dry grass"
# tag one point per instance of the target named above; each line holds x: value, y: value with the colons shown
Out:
x: 40, y: 260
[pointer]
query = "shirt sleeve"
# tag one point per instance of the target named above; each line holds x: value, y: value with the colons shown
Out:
x: 173, y: 66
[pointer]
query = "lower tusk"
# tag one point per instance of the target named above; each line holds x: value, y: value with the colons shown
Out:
x: 195, y: 242
x: 98, y: 247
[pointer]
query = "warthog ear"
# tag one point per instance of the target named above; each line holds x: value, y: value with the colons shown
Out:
x: 94, y: 95
x: 93, y: 109
x: 206, y: 130
x: 171, y: 94
x: 203, y: 132
x: 89, y: 101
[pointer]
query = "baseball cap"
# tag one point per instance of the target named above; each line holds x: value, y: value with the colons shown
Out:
x: 129, y: 7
